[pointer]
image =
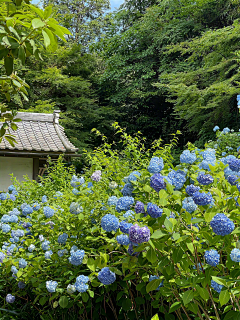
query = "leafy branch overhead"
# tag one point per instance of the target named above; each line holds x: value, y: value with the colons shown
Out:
x: 24, y: 30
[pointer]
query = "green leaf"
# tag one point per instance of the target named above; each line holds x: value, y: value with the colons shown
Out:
x: 153, y: 285
x: 203, y: 293
x: 55, y: 304
x: 37, y: 23
x: 22, y: 55
x: 220, y: 281
x: 85, y: 296
x: 155, y: 317
x: 37, y: 11
x: 91, y: 264
x: 158, y: 234
x: 8, y: 63
x: 187, y: 297
x: 168, y: 224
x: 63, y: 301
x: 232, y: 315
x: 209, y: 215
x: 46, y: 38
x: 177, y: 255
x: 224, y: 297
x: 53, y: 40
x: 147, y: 188
x: 151, y: 255
x: 175, y: 306
x: 43, y: 300
x: 47, y: 12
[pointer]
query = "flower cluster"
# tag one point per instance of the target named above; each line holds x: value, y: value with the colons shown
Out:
x: 110, y: 223
x: 205, y: 179
x: 123, y: 239
x: 139, y: 235
x: 154, y: 211
x: 177, y: 178
x: 216, y: 286
x: 106, y: 277
x: 96, y: 176
x: 189, y: 205
x: 156, y: 165
x: 51, y: 286
x: 221, y: 224
x: 202, y: 199
x: 212, y: 257
x: 76, y: 257
x: 157, y: 182
x: 188, y: 157
x: 80, y: 283
x: 124, y: 203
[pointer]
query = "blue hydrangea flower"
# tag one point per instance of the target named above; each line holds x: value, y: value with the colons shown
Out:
x: 76, y: 257
x: 189, y: 205
x: 21, y: 285
x: 22, y: 263
x: 127, y: 190
x: 58, y: 194
x: 134, y: 176
x: 75, y: 208
x: 48, y: 212
x: 11, y: 188
x: 17, y: 233
x: 154, y: 211
x: 36, y: 206
x: 151, y: 278
x: 31, y: 247
x: 82, y: 278
x: 216, y: 128
x: 209, y: 154
x: 191, y: 189
x: 112, y: 201
x: 44, y: 199
x: 76, y: 182
x: 139, y: 207
x: 13, y: 219
x: 48, y: 254
x: 205, y: 179
x: 234, y: 164
x: 235, y: 255
x: 216, y: 286
x: 238, y: 149
x: 226, y: 130
x: 212, y: 257
x: 71, y: 289
x: 51, y: 286
x: 156, y: 165
x: 177, y: 178
x: 62, y: 238
x: 188, y: 157
x: 15, y: 212
x: 224, y: 153
x: 124, y: 203
x: 232, y: 179
x: 14, y: 270
x: 157, y: 182
x: 129, y: 214
x: 2, y: 257
x: 221, y: 224
x: 45, y: 245
x: 75, y: 191
x: 123, y: 239
x: 10, y: 298
x: 124, y: 226
x: 110, y: 223
x: 205, y: 164
x: 41, y: 237
x: 62, y: 252
x: 27, y: 210
x: 202, y: 199
x: 106, y: 277
x: 6, y: 228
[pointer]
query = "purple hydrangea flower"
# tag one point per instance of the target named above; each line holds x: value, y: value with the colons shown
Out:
x: 191, y: 189
x: 216, y: 286
x: 139, y: 207
x: 156, y: 165
x: 202, y: 199
x: 139, y: 235
x: 221, y: 224
x: 96, y: 176
x: 205, y: 179
x: 212, y: 257
x: 154, y: 211
x: 106, y: 277
x: 51, y: 286
x: 123, y: 239
x: 110, y: 223
x: 157, y: 182
x: 10, y: 298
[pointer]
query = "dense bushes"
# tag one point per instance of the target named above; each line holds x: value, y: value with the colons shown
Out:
x: 130, y: 239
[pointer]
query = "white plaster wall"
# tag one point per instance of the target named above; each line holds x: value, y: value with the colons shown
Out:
x: 18, y: 166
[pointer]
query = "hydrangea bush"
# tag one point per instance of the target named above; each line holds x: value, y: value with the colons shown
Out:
x: 170, y: 246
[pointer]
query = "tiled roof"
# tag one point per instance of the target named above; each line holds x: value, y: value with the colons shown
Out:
x: 39, y: 132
